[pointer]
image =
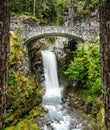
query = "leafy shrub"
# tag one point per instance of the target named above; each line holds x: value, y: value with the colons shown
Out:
x: 93, y: 3
x: 90, y: 99
x: 85, y: 68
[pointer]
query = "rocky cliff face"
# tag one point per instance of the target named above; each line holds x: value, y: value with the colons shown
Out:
x: 88, y: 27
x: 22, y: 21
x: 35, y: 58
x: 24, y: 89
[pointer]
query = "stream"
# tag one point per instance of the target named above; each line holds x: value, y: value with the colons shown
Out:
x: 58, y: 117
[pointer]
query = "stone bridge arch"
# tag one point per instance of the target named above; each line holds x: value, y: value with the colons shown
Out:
x: 43, y: 31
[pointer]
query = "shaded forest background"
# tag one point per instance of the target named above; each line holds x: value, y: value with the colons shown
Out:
x: 51, y: 12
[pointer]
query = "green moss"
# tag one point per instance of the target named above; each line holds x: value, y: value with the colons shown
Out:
x: 26, y: 124
x: 100, y: 119
x: 12, y: 78
x: 15, y: 50
x: 23, y: 91
x: 93, y: 4
x: 36, y: 112
x: 90, y: 99
x: 80, y: 13
x: 21, y: 95
x: 51, y: 39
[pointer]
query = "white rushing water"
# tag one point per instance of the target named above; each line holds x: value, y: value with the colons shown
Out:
x: 52, y: 97
x: 57, y: 115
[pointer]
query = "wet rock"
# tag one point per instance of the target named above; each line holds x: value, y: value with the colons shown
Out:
x: 48, y: 123
x: 74, y: 84
x: 88, y: 108
x: 87, y: 128
x: 45, y: 110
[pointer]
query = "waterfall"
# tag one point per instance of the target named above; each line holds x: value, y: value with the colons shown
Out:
x: 58, y: 117
x: 51, y: 78
x: 50, y: 69
x: 52, y: 97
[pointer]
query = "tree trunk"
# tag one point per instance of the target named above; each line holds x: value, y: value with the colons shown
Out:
x: 104, y: 17
x: 4, y: 47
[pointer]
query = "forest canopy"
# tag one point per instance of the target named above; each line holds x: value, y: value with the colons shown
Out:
x: 51, y: 11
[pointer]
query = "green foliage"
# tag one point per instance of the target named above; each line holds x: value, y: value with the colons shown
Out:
x: 80, y: 13
x: 50, y: 40
x: 100, y: 119
x: 51, y: 11
x: 60, y: 6
x: 76, y: 69
x: 84, y: 7
x: 36, y: 112
x: 85, y: 68
x: 48, y: 12
x: 90, y: 99
x: 21, y: 92
x: 15, y: 50
x: 12, y: 78
x: 19, y: 35
x: 21, y: 6
x: 93, y: 4
x: 25, y: 124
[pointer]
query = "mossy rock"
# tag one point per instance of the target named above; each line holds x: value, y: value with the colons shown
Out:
x: 24, y: 89
x: 28, y: 122
x: 24, y: 125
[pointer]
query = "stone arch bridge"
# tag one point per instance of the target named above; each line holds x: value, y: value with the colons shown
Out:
x: 38, y: 32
